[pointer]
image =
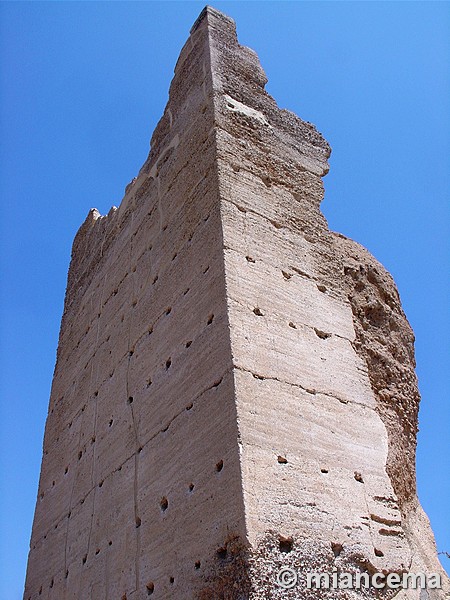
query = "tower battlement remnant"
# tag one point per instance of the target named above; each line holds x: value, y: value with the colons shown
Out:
x: 234, y: 389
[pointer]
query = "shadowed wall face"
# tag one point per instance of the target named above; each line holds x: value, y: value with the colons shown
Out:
x: 140, y: 482
x: 234, y: 388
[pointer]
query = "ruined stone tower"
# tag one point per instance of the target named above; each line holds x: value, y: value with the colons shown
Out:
x: 234, y: 389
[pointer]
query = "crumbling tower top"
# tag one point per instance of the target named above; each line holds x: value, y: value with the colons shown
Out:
x: 234, y: 388
x: 211, y: 13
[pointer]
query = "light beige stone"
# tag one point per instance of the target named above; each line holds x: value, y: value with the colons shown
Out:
x: 234, y: 389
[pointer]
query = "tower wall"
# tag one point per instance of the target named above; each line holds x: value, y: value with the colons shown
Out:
x: 234, y: 388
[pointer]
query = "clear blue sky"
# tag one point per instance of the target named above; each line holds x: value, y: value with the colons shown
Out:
x: 82, y: 87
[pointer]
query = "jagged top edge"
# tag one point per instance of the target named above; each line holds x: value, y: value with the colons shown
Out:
x: 209, y: 10
x: 94, y: 214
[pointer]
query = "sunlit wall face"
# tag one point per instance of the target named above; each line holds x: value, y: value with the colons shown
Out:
x: 82, y: 88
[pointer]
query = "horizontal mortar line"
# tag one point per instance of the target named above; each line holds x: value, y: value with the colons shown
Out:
x: 255, y: 212
x: 300, y: 323
x: 163, y: 430
x: 305, y: 389
x: 342, y: 337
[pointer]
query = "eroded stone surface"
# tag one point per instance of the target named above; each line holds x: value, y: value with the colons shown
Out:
x: 235, y: 387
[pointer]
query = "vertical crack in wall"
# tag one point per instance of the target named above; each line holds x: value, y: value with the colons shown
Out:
x: 94, y: 394
x: 130, y: 399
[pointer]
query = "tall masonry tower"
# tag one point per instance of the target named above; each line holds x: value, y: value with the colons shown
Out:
x: 234, y: 391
